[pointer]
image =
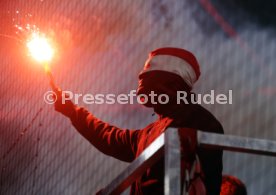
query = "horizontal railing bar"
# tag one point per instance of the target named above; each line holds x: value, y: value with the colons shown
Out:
x: 237, y: 143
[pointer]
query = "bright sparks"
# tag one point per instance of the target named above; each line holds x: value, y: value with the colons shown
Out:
x: 40, y: 48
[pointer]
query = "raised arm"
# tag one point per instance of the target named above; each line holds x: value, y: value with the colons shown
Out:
x: 110, y: 140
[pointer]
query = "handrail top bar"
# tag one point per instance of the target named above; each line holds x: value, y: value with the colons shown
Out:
x: 237, y: 143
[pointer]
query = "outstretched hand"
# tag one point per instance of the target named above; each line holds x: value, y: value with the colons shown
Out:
x: 63, y: 104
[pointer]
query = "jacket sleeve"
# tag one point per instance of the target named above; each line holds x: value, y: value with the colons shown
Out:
x: 112, y: 141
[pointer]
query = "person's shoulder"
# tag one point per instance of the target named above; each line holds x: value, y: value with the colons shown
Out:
x: 208, y: 120
x: 149, y: 126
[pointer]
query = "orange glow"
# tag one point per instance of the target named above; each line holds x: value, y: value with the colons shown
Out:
x: 40, y: 48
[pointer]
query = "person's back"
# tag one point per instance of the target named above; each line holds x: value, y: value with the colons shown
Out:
x: 152, y: 182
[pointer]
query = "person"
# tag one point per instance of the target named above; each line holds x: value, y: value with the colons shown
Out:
x: 166, y: 71
x: 232, y: 186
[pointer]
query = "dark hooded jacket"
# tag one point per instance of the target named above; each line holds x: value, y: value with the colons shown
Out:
x: 126, y: 145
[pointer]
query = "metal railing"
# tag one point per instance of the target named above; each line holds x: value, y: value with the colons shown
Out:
x: 168, y: 143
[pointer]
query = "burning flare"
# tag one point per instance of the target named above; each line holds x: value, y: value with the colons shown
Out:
x: 40, y: 48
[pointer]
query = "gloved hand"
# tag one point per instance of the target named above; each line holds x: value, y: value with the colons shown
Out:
x: 62, y: 104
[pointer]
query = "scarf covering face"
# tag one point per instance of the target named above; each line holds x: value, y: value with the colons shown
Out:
x: 161, y: 82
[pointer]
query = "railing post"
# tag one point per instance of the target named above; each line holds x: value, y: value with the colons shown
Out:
x: 172, y: 162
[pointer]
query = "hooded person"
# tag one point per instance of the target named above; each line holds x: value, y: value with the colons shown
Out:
x: 166, y: 71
